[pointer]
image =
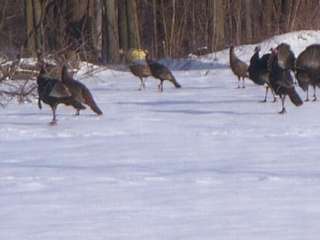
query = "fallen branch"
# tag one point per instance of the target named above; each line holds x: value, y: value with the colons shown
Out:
x: 22, y: 91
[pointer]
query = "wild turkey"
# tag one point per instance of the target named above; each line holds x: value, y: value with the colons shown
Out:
x: 259, y: 73
x: 238, y: 67
x: 307, y: 69
x: 79, y: 91
x: 161, y: 72
x: 140, y: 70
x: 53, y: 92
x: 281, y: 82
x: 136, y: 59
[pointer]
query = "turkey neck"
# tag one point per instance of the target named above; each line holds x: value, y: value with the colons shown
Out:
x: 255, y: 57
x: 232, y: 55
x: 66, y: 76
x: 148, y: 59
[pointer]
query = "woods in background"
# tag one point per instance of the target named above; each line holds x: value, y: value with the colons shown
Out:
x: 95, y: 30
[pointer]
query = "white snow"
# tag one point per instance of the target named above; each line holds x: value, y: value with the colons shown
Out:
x: 207, y: 161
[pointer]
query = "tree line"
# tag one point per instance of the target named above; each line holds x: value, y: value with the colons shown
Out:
x: 96, y: 30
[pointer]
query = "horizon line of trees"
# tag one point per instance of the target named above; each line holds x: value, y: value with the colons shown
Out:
x: 97, y: 29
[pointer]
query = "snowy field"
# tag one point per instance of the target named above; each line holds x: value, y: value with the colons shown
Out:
x: 207, y: 161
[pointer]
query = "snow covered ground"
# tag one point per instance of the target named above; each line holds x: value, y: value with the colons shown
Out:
x: 207, y: 161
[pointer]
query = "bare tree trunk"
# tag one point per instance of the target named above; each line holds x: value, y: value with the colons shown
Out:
x: 256, y: 20
x: 165, y: 30
x: 110, y: 39
x: 230, y: 28
x: 81, y: 28
x: 285, y: 15
x: 89, y: 32
x: 133, y: 24
x: 3, y: 13
x: 173, y: 27
x: 218, y: 24
x: 294, y: 14
x: 248, y: 22
x: 29, y: 25
x: 123, y: 25
x: 37, y: 22
x: 238, y: 11
x: 193, y: 26
x: 155, y: 28
x: 182, y: 29
x: 277, y: 13
x: 267, y: 17
x: 34, y: 26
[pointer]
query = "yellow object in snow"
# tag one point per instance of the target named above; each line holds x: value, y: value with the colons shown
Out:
x: 136, y: 54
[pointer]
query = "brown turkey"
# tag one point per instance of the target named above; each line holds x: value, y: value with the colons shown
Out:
x: 137, y: 64
x: 161, y: 72
x: 238, y: 67
x: 79, y: 91
x: 286, y: 58
x: 307, y: 69
x: 53, y: 92
x: 141, y: 70
x: 281, y: 82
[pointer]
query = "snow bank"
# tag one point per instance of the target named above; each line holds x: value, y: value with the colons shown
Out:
x: 297, y: 40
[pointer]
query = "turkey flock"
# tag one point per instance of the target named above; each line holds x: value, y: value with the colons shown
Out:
x: 71, y: 92
x: 273, y: 70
